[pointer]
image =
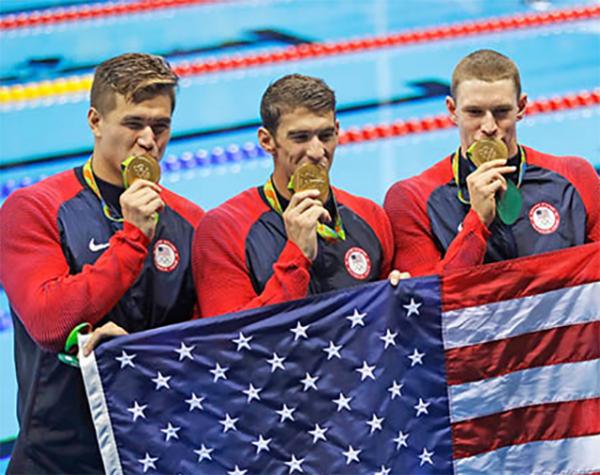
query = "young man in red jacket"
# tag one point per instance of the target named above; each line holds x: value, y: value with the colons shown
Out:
x: 78, y: 247
x: 456, y: 214
x: 269, y: 244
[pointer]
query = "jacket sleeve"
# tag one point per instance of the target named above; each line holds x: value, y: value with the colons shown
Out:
x: 416, y: 250
x: 222, y: 279
x: 45, y: 295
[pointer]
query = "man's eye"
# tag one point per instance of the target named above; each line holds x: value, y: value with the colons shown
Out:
x: 300, y: 138
x: 134, y: 125
x: 159, y: 129
x: 326, y: 136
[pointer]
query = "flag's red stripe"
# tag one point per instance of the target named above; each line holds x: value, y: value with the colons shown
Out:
x: 521, y: 277
x: 558, y: 345
x: 528, y: 424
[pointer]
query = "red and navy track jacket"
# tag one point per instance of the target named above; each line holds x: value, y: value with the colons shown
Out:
x: 242, y: 258
x: 434, y: 231
x: 62, y: 262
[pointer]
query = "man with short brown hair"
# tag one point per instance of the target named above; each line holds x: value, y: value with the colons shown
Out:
x: 492, y: 199
x: 282, y: 241
x: 80, y: 248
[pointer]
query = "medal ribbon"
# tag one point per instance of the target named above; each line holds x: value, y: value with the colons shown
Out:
x: 322, y: 229
x: 88, y: 176
x: 456, y: 172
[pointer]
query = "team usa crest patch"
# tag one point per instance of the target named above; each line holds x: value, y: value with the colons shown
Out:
x: 357, y: 263
x: 544, y: 218
x: 166, y: 256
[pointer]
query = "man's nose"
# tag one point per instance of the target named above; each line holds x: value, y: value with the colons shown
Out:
x: 489, y: 126
x: 315, y: 150
x: 146, y: 138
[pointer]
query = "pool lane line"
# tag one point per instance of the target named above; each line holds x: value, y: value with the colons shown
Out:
x: 81, y: 84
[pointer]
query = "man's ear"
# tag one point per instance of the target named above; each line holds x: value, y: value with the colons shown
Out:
x: 266, y: 140
x: 451, y: 106
x: 522, y: 106
x: 94, y: 118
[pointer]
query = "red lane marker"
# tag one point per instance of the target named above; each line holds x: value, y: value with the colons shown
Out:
x: 85, y: 12
x: 442, y: 121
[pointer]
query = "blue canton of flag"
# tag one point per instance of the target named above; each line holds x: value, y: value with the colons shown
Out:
x: 345, y: 382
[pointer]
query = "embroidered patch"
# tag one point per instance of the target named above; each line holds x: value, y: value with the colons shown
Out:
x: 166, y: 256
x: 357, y: 263
x: 544, y: 218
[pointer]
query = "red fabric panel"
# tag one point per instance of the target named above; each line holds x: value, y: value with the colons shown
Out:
x: 558, y: 345
x: 542, y: 422
x: 48, y: 299
x: 521, y: 277
x: 191, y: 212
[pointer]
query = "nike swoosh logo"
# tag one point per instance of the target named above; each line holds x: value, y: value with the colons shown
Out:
x: 97, y: 247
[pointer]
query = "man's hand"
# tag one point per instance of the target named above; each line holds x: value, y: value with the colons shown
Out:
x: 106, y: 331
x: 139, y: 203
x: 396, y: 276
x: 483, y: 185
x: 301, y: 218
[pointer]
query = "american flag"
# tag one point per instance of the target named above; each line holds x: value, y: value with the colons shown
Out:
x: 502, y: 374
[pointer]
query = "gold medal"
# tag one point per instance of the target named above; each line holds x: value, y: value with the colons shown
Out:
x: 140, y: 166
x: 312, y: 177
x: 486, y: 150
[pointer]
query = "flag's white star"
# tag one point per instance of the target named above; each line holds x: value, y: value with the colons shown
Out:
x: 228, y: 423
x: 276, y: 362
x: 286, y: 413
x: 203, y: 453
x: 426, y: 457
x: 366, y: 371
x: 318, y: 433
x: 412, y: 307
x: 389, y: 338
x: 195, y: 402
x: 295, y: 464
x: 351, y: 455
x: 383, y: 471
x: 148, y: 462
x: 185, y: 351
x: 342, y: 402
x: 401, y: 440
x: 421, y: 407
x: 375, y: 423
x: 219, y: 372
x: 242, y: 341
x: 252, y: 393
x: 125, y: 359
x: 395, y: 389
x: 170, y: 431
x: 357, y: 318
x: 262, y: 444
x: 161, y: 381
x: 309, y: 382
x: 237, y: 471
x: 332, y: 350
x: 137, y: 410
x: 299, y: 331
x: 416, y: 358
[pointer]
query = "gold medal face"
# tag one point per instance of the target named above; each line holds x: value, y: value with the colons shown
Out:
x: 486, y: 150
x: 140, y: 166
x: 312, y: 177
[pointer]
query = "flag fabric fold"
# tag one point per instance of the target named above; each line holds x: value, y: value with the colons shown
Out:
x: 487, y: 370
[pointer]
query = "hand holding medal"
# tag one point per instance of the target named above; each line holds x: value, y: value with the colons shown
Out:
x: 141, y: 201
x: 311, y: 177
x: 509, y: 205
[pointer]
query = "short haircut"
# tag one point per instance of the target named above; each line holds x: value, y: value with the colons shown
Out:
x: 136, y: 76
x: 486, y: 65
x: 292, y: 92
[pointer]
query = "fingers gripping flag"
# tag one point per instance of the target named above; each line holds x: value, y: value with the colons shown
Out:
x: 499, y: 376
